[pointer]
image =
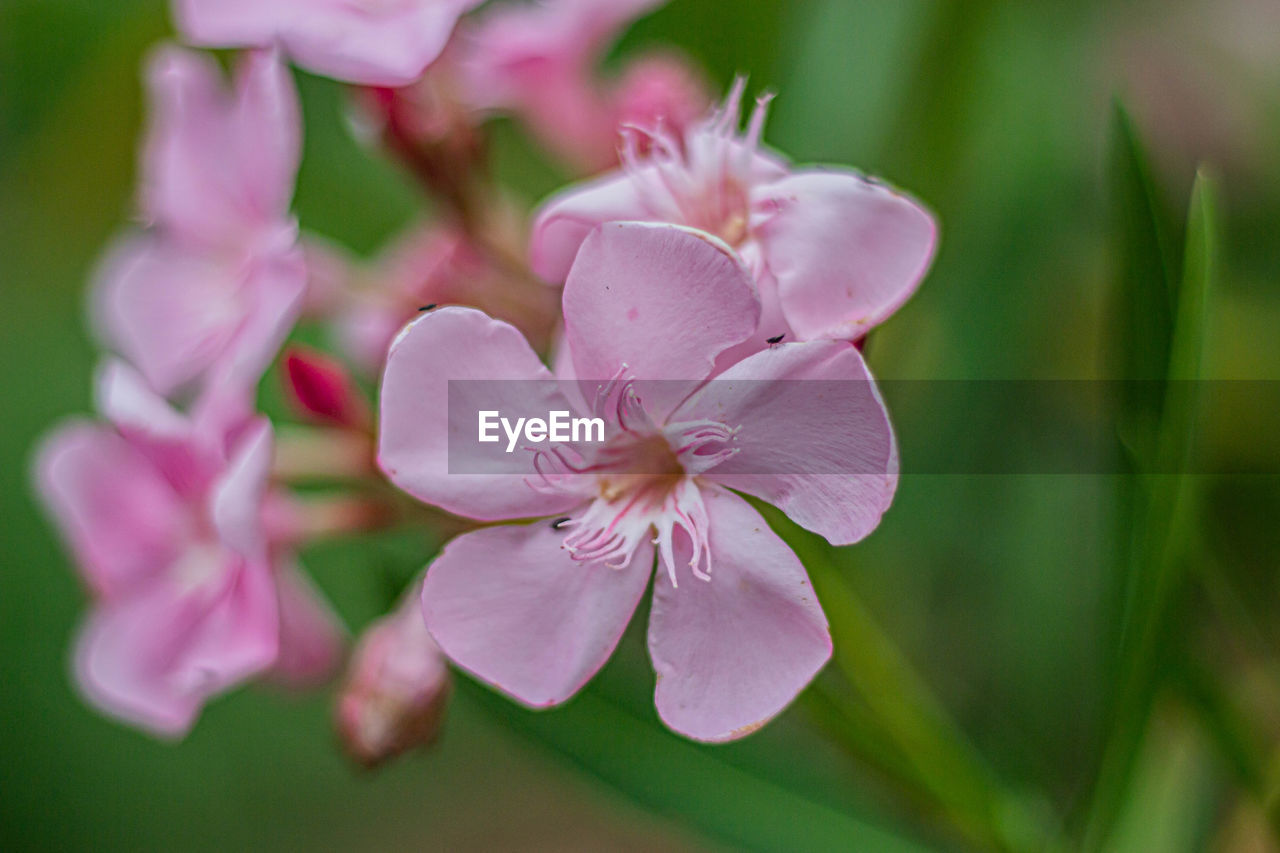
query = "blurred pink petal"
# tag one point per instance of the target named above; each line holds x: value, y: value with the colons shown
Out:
x: 539, y: 61
x: 312, y: 637
x: 397, y: 687
x: 731, y: 654
x: 122, y: 519
x: 372, y: 42
x: 154, y: 658
x: 218, y: 166
x: 513, y: 607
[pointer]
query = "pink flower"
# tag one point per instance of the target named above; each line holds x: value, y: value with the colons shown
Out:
x: 213, y: 286
x: 371, y: 42
x: 833, y: 253
x: 539, y: 60
x: 397, y: 687
x: 165, y: 514
x: 536, y: 609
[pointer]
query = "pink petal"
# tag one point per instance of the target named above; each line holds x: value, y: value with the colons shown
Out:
x: 661, y: 301
x: 124, y: 522
x: 815, y: 437
x: 846, y: 252
x: 188, y: 182
x: 565, y: 220
x: 732, y: 652
x: 267, y: 132
x: 153, y: 660
x: 312, y: 638
x: 375, y: 44
x: 236, y: 498
x: 509, y: 605
x: 269, y: 307
x: 418, y: 415
x: 171, y: 312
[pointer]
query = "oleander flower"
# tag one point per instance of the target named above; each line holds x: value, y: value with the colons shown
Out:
x: 214, y: 284
x: 535, y: 609
x: 370, y: 42
x: 397, y: 686
x: 540, y: 61
x: 833, y: 253
x: 168, y: 517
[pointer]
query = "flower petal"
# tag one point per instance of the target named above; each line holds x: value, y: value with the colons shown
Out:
x: 188, y: 185
x: 267, y: 132
x: 171, y: 312
x: 655, y: 302
x: 815, y: 437
x: 732, y: 652
x: 312, y: 637
x: 846, y: 252
x: 509, y: 605
x: 121, y: 518
x: 417, y: 418
x: 375, y: 44
x: 236, y: 499
x: 566, y: 219
x: 154, y: 659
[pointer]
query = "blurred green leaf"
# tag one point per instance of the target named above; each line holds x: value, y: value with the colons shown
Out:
x: 687, y: 782
x: 1156, y: 503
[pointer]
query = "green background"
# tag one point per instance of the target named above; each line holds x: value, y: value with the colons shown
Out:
x: 998, y: 116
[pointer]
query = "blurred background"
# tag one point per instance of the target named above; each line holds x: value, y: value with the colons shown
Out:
x: 997, y: 115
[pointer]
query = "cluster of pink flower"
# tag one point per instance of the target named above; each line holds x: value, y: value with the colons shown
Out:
x: 697, y: 253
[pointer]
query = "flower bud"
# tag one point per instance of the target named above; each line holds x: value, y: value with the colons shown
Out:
x: 397, y: 687
x: 321, y: 389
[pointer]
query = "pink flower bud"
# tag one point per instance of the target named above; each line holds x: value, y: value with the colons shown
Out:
x: 321, y: 389
x: 397, y: 687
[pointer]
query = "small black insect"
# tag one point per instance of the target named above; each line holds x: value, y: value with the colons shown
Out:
x: 559, y: 522
x: 428, y: 307
x: 776, y: 338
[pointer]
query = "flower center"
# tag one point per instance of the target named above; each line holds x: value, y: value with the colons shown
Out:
x: 643, y: 479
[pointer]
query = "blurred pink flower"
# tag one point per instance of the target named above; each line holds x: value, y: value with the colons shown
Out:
x: 833, y: 253
x: 166, y: 515
x: 397, y: 686
x: 428, y: 265
x: 540, y: 61
x: 536, y: 609
x: 371, y: 42
x: 214, y: 285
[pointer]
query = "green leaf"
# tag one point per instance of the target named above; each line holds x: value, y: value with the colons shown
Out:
x: 1156, y: 503
x: 685, y: 781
